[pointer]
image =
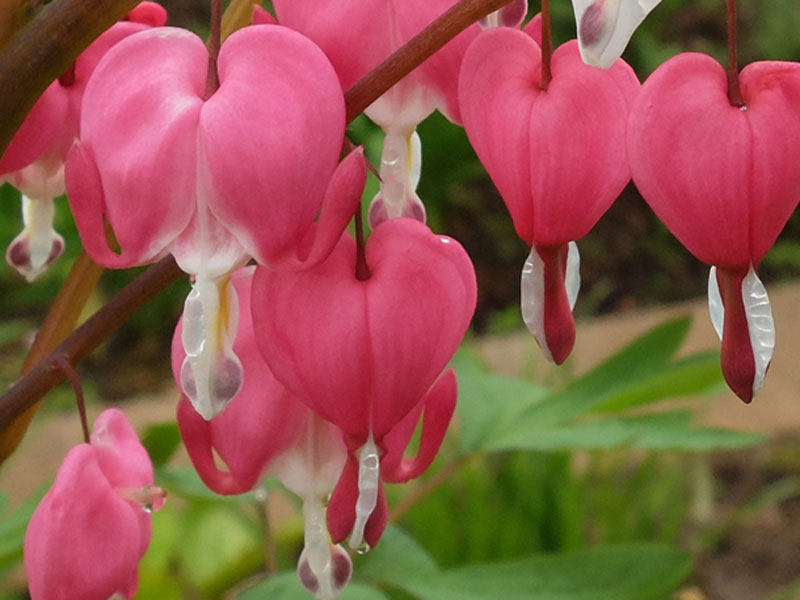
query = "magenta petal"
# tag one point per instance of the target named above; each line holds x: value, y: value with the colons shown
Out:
x: 319, y: 358
x: 261, y: 16
x: 400, y: 327
x: 38, y: 132
x: 148, y: 13
x: 439, y: 404
x: 771, y: 91
x: 691, y: 157
x: 534, y: 28
x: 558, y: 157
x: 559, y: 324
x: 498, y: 85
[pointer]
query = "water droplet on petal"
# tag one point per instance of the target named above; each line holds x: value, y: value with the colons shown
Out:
x: 363, y: 548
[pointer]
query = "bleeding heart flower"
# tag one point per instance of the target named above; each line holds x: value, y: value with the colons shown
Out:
x: 90, y: 530
x: 34, y: 161
x: 605, y: 27
x: 724, y: 181
x: 265, y: 427
x: 557, y: 156
x: 213, y: 180
x: 357, y: 35
x: 378, y: 361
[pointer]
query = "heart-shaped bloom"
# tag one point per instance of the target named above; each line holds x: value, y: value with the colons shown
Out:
x: 723, y: 179
x: 357, y: 35
x: 378, y: 361
x: 605, y: 27
x: 90, y: 530
x: 557, y: 156
x: 242, y: 173
x: 34, y: 160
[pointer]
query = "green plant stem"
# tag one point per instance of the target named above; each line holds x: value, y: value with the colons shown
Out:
x: 45, y: 48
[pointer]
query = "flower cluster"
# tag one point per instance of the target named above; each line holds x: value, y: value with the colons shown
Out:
x: 313, y: 356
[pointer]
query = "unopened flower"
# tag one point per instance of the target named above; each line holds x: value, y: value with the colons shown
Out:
x: 90, y: 530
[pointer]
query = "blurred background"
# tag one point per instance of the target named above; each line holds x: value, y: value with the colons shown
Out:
x: 719, y: 491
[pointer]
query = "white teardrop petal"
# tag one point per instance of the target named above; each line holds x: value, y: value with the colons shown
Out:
x: 572, y: 277
x: 760, y: 324
x: 715, y: 307
x: 605, y: 27
x: 532, y: 299
x: 369, y: 470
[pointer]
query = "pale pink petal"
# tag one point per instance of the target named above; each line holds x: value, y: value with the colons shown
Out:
x: 84, y: 539
x: 275, y: 78
x: 140, y: 113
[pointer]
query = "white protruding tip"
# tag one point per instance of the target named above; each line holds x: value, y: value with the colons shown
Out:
x: 211, y: 374
x: 572, y: 277
x: 715, y: 307
x: 532, y: 299
x: 760, y: 325
x: 606, y: 26
x: 369, y: 470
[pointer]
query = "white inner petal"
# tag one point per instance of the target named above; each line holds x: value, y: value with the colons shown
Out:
x: 211, y: 374
x: 715, y: 306
x: 572, y: 277
x: 532, y: 299
x: 368, y: 482
x: 760, y: 325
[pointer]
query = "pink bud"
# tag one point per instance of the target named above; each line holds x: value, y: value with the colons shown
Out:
x: 90, y: 530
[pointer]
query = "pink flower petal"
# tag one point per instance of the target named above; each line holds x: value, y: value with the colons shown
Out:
x: 438, y: 404
x: 144, y: 127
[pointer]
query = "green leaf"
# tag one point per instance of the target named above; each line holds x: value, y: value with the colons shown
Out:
x: 694, y: 375
x: 12, y: 530
x: 397, y: 557
x: 646, y: 356
x: 185, y: 482
x: 489, y: 404
x: 161, y: 440
x: 286, y: 586
x: 624, y: 572
x: 656, y: 431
